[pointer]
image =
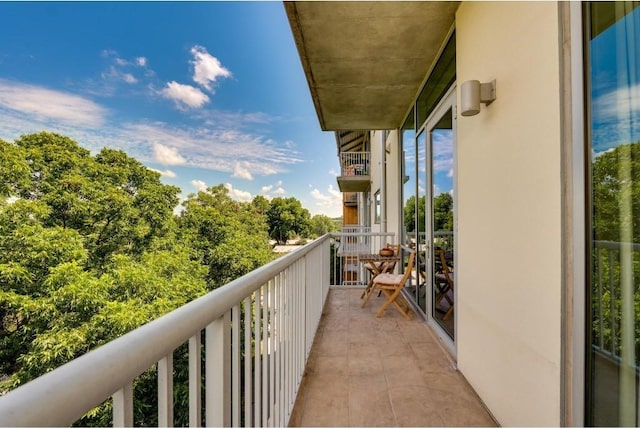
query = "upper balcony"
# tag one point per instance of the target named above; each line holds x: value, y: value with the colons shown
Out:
x: 354, y: 172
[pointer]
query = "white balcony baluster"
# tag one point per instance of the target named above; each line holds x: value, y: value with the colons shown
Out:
x: 123, y: 406
x: 195, y: 379
x: 165, y: 391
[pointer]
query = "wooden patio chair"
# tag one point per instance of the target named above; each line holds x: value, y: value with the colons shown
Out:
x: 387, y: 267
x: 391, y: 286
x: 444, y: 279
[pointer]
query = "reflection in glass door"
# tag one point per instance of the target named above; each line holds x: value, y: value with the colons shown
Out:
x: 613, y: 354
x: 439, y: 176
x: 409, y: 188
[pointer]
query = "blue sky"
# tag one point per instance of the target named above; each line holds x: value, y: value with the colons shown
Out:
x: 206, y: 93
x: 615, y: 79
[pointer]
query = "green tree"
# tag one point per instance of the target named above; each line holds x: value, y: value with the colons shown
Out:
x: 321, y: 225
x: 443, y: 212
x: 287, y: 218
x: 115, y: 202
x: 410, y: 214
x: 14, y: 173
x: 227, y: 236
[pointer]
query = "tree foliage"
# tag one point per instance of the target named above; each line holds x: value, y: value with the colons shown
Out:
x: 442, y: 213
x: 321, y: 225
x: 90, y: 248
x: 88, y: 252
x: 228, y: 237
x: 287, y: 218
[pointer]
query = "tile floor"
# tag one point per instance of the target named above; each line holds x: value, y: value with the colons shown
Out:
x: 368, y: 371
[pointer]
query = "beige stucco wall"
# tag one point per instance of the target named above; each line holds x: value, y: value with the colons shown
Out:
x: 508, y: 272
x: 375, y: 142
x: 393, y: 184
x: 392, y: 179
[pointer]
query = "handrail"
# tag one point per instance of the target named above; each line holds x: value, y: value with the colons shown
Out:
x: 62, y: 396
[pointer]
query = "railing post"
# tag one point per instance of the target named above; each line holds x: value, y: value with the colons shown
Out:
x: 195, y: 379
x: 248, y: 404
x: 165, y: 391
x: 123, y: 406
x: 217, y: 378
x: 235, y: 366
x: 257, y: 355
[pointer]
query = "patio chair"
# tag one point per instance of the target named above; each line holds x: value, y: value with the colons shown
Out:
x: 386, y: 267
x: 391, y: 286
x: 444, y: 281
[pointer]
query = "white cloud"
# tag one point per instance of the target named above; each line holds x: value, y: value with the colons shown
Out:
x: 329, y: 203
x: 128, y: 77
x: 141, y: 61
x: 237, y: 194
x: 333, y: 173
x: 50, y: 105
x: 166, y: 173
x: 279, y: 191
x: 266, y: 189
x: 200, y: 185
x: 167, y: 155
x: 184, y: 95
x: 114, y: 74
x: 27, y: 109
x: 616, y: 116
x: 241, y: 171
x: 622, y: 102
x: 206, y: 68
x: 214, y: 149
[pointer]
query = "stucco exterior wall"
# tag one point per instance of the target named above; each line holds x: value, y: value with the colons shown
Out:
x: 508, y: 272
x: 393, y: 185
x: 376, y: 137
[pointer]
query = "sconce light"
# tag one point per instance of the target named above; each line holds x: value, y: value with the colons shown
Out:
x: 473, y: 93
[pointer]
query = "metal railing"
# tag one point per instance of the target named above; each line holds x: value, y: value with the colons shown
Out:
x: 614, y: 265
x: 258, y: 332
x: 348, y: 246
x: 354, y: 163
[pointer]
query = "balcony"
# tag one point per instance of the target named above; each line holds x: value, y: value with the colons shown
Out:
x: 354, y: 172
x: 278, y: 347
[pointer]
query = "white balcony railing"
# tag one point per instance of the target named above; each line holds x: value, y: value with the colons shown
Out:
x: 258, y: 334
x: 615, y: 263
x: 354, y: 163
x: 353, y: 242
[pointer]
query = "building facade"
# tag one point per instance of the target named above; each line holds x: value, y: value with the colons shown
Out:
x: 504, y: 137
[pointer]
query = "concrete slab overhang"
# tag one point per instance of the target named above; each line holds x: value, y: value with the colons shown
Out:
x: 365, y: 61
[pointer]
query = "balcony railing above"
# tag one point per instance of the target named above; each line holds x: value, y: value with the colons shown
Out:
x: 354, y: 172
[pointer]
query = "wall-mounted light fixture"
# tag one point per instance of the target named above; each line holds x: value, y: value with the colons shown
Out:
x: 472, y: 93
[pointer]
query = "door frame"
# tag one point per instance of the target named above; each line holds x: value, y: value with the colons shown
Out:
x: 446, y: 103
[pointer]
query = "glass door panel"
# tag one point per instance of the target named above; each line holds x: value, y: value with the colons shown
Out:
x: 441, y: 224
x: 421, y: 221
x: 613, y: 331
x: 409, y: 189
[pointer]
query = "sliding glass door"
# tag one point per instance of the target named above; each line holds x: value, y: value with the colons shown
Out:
x: 439, y: 173
x: 613, y: 330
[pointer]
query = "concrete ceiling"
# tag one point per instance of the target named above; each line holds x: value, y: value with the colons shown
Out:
x: 365, y: 61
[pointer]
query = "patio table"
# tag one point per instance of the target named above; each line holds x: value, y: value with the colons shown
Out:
x: 377, y: 264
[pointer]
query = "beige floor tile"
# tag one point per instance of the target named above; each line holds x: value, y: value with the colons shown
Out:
x: 368, y: 371
x: 411, y: 407
x: 369, y: 403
